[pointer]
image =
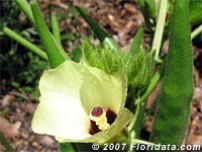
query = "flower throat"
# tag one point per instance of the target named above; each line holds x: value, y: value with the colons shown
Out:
x: 100, y: 120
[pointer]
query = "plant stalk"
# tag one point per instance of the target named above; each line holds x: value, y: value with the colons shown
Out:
x: 24, y: 42
x: 159, y: 28
x: 137, y: 121
x: 196, y: 32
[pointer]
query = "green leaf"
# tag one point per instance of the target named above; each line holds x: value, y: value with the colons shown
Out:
x: 54, y: 51
x: 195, y: 11
x: 100, y: 33
x: 150, y: 8
x: 25, y: 7
x: 137, y: 42
x: 173, y: 107
x: 149, y: 11
x: 65, y: 147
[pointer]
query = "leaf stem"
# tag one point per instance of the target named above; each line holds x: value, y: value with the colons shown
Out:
x: 159, y: 28
x: 137, y: 121
x: 24, y: 42
x: 196, y: 32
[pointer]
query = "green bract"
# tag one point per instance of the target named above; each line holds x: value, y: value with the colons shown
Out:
x: 68, y: 94
x: 138, y: 66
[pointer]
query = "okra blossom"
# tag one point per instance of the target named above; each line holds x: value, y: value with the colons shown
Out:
x: 79, y: 103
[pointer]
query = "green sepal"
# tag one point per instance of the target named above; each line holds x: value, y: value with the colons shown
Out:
x: 145, y: 71
x: 137, y: 42
x: 103, y: 58
x: 139, y: 68
x: 112, y: 44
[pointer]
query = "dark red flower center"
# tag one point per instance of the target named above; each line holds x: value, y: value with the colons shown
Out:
x: 110, y: 115
x: 96, y: 112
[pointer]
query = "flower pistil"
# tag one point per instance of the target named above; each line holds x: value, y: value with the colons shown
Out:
x: 101, y: 119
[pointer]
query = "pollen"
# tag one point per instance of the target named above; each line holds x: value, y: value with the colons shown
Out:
x: 98, y: 115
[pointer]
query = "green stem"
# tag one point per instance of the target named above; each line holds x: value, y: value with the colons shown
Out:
x: 159, y: 28
x: 137, y: 122
x: 153, y: 106
x: 24, y: 42
x: 5, y: 143
x: 55, y: 29
x: 196, y: 32
x: 138, y: 141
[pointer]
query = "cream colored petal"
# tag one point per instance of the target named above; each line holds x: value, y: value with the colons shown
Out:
x: 120, y: 123
x: 102, y: 90
x: 65, y: 79
x: 61, y: 116
x: 93, y: 86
